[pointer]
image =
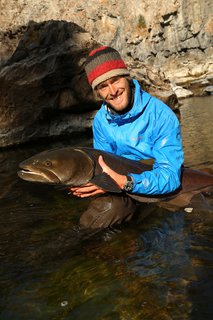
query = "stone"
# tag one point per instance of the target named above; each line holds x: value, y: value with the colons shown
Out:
x: 208, y: 90
x: 43, y: 46
x: 176, y: 29
x: 43, y: 76
x: 182, y: 92
x: 44, y: 89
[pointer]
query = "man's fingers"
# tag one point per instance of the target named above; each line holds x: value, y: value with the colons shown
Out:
x: 86, y: 189
x: 91, y: 194
x: 88, y: 194
x: 101, y: 161
x: 103, y: 165
x: 72, y: 189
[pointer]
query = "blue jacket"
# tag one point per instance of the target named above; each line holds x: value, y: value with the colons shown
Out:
x: 149, y: 130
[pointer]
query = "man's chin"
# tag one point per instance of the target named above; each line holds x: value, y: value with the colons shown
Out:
x: 117, y: 109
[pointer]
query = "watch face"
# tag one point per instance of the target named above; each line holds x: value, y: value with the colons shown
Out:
x: 129, y: 184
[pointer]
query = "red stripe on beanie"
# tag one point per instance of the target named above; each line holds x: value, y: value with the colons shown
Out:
x: 105, y: 67
x: 96, y: 50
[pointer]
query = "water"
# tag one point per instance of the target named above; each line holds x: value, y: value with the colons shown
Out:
x: 157, y: 268
x: 196, y: 120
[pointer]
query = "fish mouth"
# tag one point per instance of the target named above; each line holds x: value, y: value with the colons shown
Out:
x: 43, y: 176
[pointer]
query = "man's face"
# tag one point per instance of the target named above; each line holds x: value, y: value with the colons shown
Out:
x: 116, y: 92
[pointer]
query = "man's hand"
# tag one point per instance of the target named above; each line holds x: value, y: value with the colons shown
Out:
x: 86, y: 190
x: 119, y: 179
x: 90, y: 189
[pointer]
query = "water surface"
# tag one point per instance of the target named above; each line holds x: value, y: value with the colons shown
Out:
x: 158, y: 268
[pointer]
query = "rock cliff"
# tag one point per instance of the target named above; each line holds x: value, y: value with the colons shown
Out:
x: 175, y: 35
x: 43, y: 46
x: 44, y: 90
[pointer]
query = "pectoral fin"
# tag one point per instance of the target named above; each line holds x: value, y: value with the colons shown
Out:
x: 105, y: 182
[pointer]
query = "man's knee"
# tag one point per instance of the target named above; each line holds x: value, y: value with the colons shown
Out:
x: 108, y: 210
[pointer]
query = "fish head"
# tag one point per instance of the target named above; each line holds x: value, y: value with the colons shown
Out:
x: 66, y: 166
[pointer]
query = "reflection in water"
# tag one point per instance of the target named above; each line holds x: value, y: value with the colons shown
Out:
x: 196, y: 120
x: 157, y: 268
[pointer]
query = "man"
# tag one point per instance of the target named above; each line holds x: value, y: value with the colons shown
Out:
x: 133, y: 124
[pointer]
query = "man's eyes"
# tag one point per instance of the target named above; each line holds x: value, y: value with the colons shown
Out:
x: 116, y: 80
x: 102, y: 87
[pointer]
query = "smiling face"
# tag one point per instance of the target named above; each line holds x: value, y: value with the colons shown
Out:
x: 116, y: 92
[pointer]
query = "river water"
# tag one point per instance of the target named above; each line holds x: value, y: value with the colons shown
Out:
x: 160, y: 267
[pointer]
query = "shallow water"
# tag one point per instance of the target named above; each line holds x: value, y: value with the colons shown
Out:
x: 160, y: 267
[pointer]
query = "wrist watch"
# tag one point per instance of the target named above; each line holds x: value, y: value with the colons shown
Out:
x: 129, y: 184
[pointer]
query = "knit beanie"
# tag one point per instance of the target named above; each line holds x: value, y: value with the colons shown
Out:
x: 104, y: 63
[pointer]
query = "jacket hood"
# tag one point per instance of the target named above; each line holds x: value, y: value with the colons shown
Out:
x: 141, y: 99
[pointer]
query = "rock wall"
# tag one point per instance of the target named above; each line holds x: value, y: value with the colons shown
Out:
x: 41, y: 80
x: 43, y: 46
x: 44, y: 90
x: 174, y: 35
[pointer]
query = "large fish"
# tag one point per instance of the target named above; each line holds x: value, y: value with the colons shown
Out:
x: 71, y: 166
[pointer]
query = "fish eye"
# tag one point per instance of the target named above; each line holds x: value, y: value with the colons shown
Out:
x: 47, y: 163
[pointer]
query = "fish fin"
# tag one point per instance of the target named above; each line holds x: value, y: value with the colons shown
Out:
x: 105, y: 182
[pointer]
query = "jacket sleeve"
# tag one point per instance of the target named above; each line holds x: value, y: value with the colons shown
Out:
x: 168, y: 154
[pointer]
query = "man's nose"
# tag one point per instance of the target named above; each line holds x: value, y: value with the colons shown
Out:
x: 112, y: 89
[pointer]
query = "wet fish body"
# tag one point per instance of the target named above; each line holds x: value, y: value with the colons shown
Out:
x: 71, y: 166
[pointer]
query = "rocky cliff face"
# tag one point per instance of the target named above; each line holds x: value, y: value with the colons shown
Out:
x: 175, y: 35
x: 44, y: 90
x: 43, y: 46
